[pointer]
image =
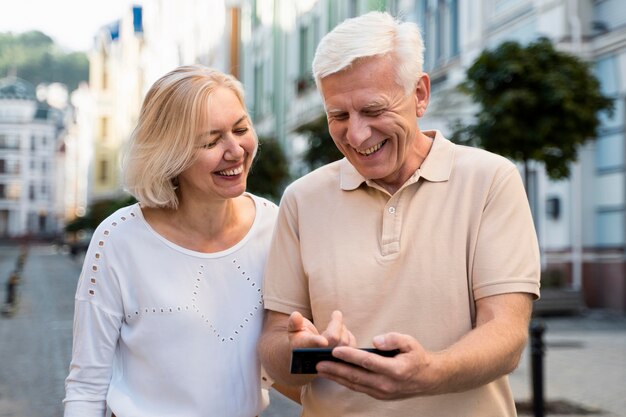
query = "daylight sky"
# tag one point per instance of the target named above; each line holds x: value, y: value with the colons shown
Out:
x: 71, y: 23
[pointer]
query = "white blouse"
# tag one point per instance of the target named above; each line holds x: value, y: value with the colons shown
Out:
x: 160, y: 330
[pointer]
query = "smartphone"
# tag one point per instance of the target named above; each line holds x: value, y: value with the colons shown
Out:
x: 303, y: 360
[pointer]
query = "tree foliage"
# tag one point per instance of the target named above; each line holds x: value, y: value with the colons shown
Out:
x: 33, y: 56
x: 270, y: 170
x: 537, y: 103
x: 321, y: 148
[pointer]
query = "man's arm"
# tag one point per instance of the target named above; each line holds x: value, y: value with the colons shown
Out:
x: 282, y: 333
x: 492, y: 349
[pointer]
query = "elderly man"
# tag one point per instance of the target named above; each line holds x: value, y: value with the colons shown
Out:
x: 410, y: 242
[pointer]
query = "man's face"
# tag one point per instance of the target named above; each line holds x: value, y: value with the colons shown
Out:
x: 373, y: 122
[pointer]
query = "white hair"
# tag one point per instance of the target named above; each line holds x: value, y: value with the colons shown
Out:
x: 372, y: 34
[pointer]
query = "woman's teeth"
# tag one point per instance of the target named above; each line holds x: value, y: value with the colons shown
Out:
x: 231, y: 172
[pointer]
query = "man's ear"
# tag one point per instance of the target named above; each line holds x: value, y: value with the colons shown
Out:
x: 422, y: 95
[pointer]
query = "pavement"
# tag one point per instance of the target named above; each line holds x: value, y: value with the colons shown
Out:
x: 584, y: 365
x: 584, y: 358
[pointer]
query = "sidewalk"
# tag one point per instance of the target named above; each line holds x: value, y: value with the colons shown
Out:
x: 584, y: 365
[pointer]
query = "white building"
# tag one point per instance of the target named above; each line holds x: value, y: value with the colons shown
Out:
x: 30, y: 135
x: 116, y: 84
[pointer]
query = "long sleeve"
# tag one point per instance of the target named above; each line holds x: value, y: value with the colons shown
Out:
x: 97, y: 320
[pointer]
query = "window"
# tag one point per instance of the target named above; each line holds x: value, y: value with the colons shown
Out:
x: 439, y: 20
x: 352, y: 8
x: 304, y: 50
x: 9, y: 166
x: 305, y: 58
x: 105, y: 78
x: 610, y: 227
x: 610, y: 152
x: 104, y: 127
x: 258, y: 92
x: 103, y: 175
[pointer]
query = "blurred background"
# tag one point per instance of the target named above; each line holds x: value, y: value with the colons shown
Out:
x: 542, y: 82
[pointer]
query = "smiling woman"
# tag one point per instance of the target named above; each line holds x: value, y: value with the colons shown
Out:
x: 172, y: 285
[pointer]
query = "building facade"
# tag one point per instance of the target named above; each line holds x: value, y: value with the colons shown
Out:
x: 31, y: 133
x: 116, y: 83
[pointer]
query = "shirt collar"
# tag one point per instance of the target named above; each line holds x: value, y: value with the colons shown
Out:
x: 436, y: 167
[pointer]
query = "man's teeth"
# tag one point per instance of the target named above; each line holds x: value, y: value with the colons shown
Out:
x: 230, y: 172
x: 373, y: 149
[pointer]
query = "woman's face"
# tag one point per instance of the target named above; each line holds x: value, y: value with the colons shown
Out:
x: 226, y: 145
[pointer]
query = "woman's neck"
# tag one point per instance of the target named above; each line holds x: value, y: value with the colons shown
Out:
x: 204, y: 227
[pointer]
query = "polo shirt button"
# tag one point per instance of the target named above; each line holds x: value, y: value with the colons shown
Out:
x: 392, y: 210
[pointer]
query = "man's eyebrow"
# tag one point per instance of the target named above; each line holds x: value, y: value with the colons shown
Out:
x: 334, y: 110
x: 373, y: 105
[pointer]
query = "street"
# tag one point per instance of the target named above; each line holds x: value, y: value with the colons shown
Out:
x: 36, y: 341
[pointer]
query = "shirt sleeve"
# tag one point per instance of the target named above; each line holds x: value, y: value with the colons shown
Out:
x: 285, y: 281
x: 98, y: 315
x: 507, y: 253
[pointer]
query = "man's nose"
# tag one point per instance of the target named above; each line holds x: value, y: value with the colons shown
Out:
x: 358, y: 131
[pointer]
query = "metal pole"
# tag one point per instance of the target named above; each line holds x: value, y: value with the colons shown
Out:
x: 537, y: 349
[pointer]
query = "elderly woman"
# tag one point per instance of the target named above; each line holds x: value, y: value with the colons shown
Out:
x: 169, y: 305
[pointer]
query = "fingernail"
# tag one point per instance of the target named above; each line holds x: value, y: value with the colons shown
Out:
x: 379, y: 341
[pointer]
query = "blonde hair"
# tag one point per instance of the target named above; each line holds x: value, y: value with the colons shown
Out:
x: 368, y: 35
x: 164, y: 142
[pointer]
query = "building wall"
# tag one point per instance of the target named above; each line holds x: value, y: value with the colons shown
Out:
x: 28, y: 151
x: 117, y: 84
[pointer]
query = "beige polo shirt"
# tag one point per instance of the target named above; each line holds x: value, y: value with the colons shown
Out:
x: 458, y: 230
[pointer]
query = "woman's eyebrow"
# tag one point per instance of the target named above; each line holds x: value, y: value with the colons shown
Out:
x: 241, y: 119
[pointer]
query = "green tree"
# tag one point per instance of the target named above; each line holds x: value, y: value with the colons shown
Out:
x: 321, y: 148
x: 270, y: 170
x: 34, y: 57
x: 537, y: 103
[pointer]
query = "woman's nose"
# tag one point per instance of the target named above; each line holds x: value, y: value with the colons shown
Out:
x: 234, y: 151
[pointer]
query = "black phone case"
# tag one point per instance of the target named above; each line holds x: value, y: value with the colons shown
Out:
x: 303, y: 360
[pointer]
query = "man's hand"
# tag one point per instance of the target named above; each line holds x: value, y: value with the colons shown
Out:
x: 402, y: 376
x: 502, y: 320
x: 275, y: 349
x: 303, y: 333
